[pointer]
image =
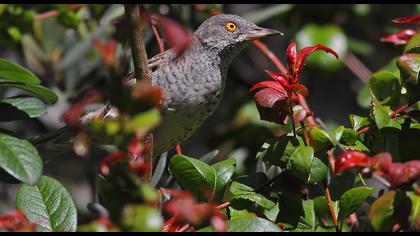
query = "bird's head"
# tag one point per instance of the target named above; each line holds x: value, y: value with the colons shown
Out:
x: 230, y: 32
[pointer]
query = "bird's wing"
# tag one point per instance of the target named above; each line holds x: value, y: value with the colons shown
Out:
x: 154, y: 62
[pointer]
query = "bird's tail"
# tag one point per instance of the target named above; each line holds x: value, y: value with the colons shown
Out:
x: 55, y: 143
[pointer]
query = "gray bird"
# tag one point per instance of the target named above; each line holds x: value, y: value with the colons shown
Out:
x: 193, y: 83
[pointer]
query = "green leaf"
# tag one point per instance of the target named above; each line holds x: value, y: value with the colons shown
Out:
x: 382, y: 117
x: 247, y: 224
x: 39, y: 90
x: 329, y: 35
x: 144, y: 121
x: 318, y: 171
x: 349, y: 136
x: 141, y: 218
x: 415, y: 211
x: 321, y: 139
x: 381, y: 213
x: 300, y: 163
x: 49, y: 205
x: 20, y: 159
x: 13, y: 72
x: 386, y: 87
x: 277, y: 151
x: 21, y: 107
x: 224, y: 172
x: 322, y: 210
x: 351, y: 200
x: 308, y: 220
x: 413, y: 45
x: 194, y: 175
x: 358, y: 122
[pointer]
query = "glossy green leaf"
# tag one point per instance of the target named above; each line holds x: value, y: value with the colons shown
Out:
x: 12, y: 72
x: 242, y: 195
x: 328, y: 35
x: 321, y: 139
x: 413, y: 45
x: 300, y: 163
x: 224, y: 172
x: 382, y: 117
x: 386, y: 87
x: 351, y: 200
x: 21, y: 107
x: 141, y: 218
x: 307, y: 221
x: 248, y: 224
x: 49, y: 205
x: 277, y: 151
x: 194, y: 175
x: 39, y: 90
x: 318, y: 171
x: 358, y: 122
x: 20, y: 159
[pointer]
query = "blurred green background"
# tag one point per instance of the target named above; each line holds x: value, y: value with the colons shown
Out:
x: 60, y: 50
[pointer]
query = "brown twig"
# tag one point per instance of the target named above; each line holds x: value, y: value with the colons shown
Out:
x: 141, y: 69
x: 138, y: 50
x: 51, y: 13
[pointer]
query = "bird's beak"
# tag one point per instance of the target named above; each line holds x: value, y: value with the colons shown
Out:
x: 261, y: 33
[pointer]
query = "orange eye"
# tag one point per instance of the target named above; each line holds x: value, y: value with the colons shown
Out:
x: 231, y: 26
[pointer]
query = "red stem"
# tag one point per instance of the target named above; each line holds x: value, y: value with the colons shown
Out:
x: 330, y: 206
x: 178, y: 149
x: 400, y: 109
x: 52, y: 13
x: 270, y: 55
x: 357, y: 67
x: 158, y: 38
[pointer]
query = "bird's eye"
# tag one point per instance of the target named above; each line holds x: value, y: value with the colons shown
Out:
x: 231, y: 26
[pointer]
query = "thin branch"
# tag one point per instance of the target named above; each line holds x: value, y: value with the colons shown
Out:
x: 270, y: 55
x: 304, y: 104
x: 330, y: 206
x: 138, y: 50
x: 51, y: 13
x: 357, y: 67
x: 305, y: 133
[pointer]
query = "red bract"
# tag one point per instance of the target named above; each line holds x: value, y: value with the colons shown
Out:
x: 176, y: 35
x: 274, y: 98
x: 351, y: 159
x: 407, y: 19
x: 16, y: 221
x: 187, y: 211
x: 399, y: 38
x: 72, y: 116
x: 107, y: 50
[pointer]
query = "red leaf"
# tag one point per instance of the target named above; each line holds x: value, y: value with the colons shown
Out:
x: 399, y: 38
x: 301, y: 89
x: 176, y: 35
x: 407, y: 19
x: 281, y: 78
x: 107, y: 50
x: 72, y: 116
x: 299, y: 113
x: 303, y: 54
x: 351, y: 159
x: 16, y: 222
x: 219, y: 223
x: 272, y: 105
x: 269, y: 84
x: 109, y: 160
x: 291, y: 57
